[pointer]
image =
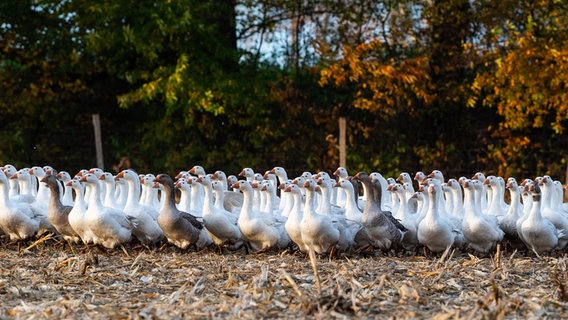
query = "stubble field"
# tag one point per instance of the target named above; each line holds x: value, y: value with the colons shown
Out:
x: 52, y: 281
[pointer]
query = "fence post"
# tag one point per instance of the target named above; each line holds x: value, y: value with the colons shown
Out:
x: 342, y: 149
x: 98, y: 140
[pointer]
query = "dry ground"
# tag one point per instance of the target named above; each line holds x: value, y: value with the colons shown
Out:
x: 49, y: 281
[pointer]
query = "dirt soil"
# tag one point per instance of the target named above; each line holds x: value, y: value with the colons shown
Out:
x: 48, y: 280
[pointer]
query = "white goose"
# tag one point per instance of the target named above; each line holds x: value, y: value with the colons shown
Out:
x: 481, y: 231
x: 26, y: 198
x: 151, y: 198
x: 262, y: 235
x: 293, y: 224
x: 341, y: 174
x: 109, y: 226
x: 318, y: 231
x: 352, y: 212
x: 282, y: 176
x: 42, y: 196
x: 76, y: 216
x: 221, y: 225
x: 273, y: 179
x: 146, y: 229
x: 67, y: 197
x: 485, y: 196
x: 286, y: 201
x: 550, y: 209
x: 385, y: 198
x: 10, y: 170
x: 539, y: 234
x: 435, y: 231
x: 407, y: 216
x: 495, y: 208
x: 184, y: 185
x: 17, y: 220
x: 26, y: 187
x: 509, y: 222
x: 110, y: 200
x: 457, y: 199
x: 406, y: 181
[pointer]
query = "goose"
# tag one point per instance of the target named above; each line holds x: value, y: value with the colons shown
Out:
x: 67, y: 197
x: 273, y: 179
x: 352, y: 213
x: 341, y: 174
x: 17, y: 220
x: 294, y: 222
x: 109, y: 226
x: 325, y: 186
x: 385, y: 198
x: 347, y: 230
x: 26, y: 187
x: 57, y: 213
x: 419, y: 176
x: 184, y: 186
x: 286, y: 201
x: 457, y: 199
x: 147, y: 229
x: 268, y: 192
x: 197, y: 196
x: 221, y: 176
x: 560, y: 205
x: 220, y: 224
x: 151, y: 198
x: 485, y: 195
x: 394, y: 203
x: 98, y: 172
x: 180, y: 228
x: 538, y: 233
x: 110, y: 200
x: 406, y: 181
x: 449, y: 197
x: 435, y: 231
x: 9, y: 171
x: 438, y: 175
x: 76, y: 216
x: 509, y: 222
x: 318, y: 231
x: 306, y: 175
x: 248, y: 174
x: 42, y: 196
x: 456, y: 222
x: 261, y: 234
x: 231, y: 180
x: 197, y: 171
x: 26, y: 198
x: 220, y: 201
x: 481, y: 231
x: 495, y: 208
x: 550, y: 210
x: 419, y: 202
x: 281, y: 173
x: 526, y: 197
x: 383, y: 230
x: 407, y: 217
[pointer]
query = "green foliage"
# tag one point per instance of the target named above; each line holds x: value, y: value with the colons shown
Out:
x: 456, y: 85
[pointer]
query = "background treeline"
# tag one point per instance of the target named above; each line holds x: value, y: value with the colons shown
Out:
x: 455, y: 85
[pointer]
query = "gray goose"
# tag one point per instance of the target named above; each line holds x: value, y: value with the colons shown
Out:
x: 384, y: 231
x: 57, y: 213
x: 180, y: 228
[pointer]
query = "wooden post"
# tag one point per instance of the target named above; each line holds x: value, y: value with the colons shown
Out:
x: 342, y: 153
x: 98, y: 140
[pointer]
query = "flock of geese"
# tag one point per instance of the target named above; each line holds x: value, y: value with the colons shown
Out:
x: 325, y: 213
